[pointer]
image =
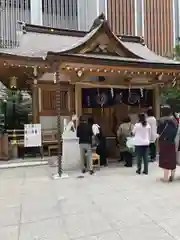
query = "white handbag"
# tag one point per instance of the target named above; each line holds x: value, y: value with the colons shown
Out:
x: 130, y: 143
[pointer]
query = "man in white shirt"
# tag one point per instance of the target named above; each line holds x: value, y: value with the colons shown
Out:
x: 151, y: 120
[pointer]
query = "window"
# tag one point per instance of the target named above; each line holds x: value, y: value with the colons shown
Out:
x: 60, y: 7
x: 22, y: 4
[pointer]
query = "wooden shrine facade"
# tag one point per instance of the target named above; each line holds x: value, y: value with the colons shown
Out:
x: 81, y: 57
x: 56, y: 73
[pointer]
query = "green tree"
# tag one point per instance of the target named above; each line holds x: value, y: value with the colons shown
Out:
x: 176, y: 52
x: 171, y: 95
x: 15, y: 108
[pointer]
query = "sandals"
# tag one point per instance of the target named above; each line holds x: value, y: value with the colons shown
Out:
x: 171, y: 179
x: 164, y: 180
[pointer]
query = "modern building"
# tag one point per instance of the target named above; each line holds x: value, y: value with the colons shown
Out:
x: 156, y: 20
x: 70, y: 14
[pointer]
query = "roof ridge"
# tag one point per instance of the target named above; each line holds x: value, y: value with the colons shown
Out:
x: 27, y: 27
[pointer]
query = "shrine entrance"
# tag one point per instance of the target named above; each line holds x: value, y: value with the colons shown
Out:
x: 109, y: 107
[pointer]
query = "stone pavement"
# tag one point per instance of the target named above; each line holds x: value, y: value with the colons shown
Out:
x: 115, y: 204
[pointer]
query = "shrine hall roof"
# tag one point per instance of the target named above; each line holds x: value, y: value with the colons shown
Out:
x: 37, y: 42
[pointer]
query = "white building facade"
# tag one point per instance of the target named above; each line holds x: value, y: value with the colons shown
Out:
x: 70, y: 14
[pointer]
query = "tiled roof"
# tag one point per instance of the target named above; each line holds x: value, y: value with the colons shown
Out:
x: 38, y: 41
x: 37, y: 45
x: 144, y: 52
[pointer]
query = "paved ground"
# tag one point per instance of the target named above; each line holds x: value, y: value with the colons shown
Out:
x: 115, y: 204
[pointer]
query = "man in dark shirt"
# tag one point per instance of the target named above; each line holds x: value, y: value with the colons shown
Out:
x: 84, y: 133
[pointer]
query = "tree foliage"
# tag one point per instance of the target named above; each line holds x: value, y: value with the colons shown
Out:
x: 15, y: 108
x: 171, y: 95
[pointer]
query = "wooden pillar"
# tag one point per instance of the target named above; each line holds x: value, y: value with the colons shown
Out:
x: 78, y: 100
x: 58, y: 111
x: 35, y: 98
x: 156, y: 102
x: 35, y: 102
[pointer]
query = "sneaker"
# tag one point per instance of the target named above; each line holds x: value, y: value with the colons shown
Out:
x: 145, y: 173
x: 91, y: 172
x: 138, y: 172
x: 128, y: 165
x: 84, y: 171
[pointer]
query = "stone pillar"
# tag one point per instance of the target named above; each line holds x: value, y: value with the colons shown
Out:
x: 35, y: 102
x: 71, y: 160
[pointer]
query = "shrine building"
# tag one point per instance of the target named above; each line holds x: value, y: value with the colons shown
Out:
x: 88, y: 73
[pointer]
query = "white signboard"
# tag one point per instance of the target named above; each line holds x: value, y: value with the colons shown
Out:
x: 32, y: 135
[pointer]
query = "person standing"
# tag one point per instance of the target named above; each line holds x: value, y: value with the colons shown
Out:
x: 124, y: 131
x: 167, y: 130
x: 84, y: 133
x: 142, y: 135
x: 151, y: 120
x: 100, y: 141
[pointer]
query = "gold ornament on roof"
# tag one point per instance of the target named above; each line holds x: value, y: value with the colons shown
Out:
x: 79, y: 73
